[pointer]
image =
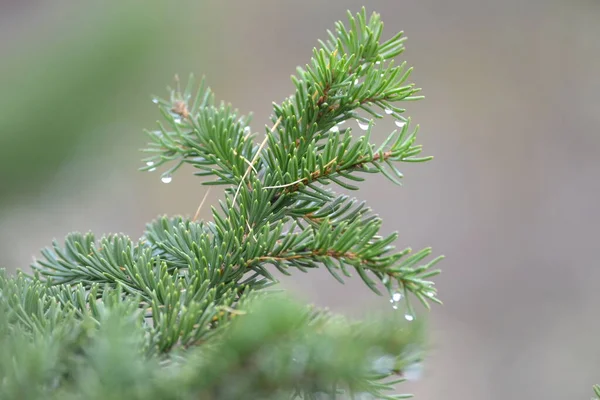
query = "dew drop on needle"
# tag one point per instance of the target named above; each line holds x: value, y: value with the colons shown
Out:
x: 413, y: 372
x: 362, y: 125
x: 166, y: 179
x: 396, y: 297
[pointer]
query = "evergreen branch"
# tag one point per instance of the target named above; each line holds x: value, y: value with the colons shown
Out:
x: 82, y: 261
x: 349, y: 73
x: 342, y: 235
x: 213, y: 139
x: 339, y: 159
x: 165, y: 309
x: 166, y: 291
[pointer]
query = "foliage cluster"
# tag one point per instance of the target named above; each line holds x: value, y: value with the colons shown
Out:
x: 188, y: 311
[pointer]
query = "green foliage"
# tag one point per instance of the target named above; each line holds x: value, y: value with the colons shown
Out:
x: 87, y: 351
x: 55, y: 93
x: 186, y: 312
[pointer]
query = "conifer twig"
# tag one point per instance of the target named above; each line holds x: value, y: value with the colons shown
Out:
x: 183, y: 312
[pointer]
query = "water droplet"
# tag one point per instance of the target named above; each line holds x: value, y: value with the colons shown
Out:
x: 334, y: 129
x: 177, y: 120
x: 152, y: 169
x: 247, y: 130
x: 150, y: 163
x: 362, y: 125
x: 155, y: 101
x: 430, y: 294
x: 409, y: 317
x: 388, y: 111
x: 396, y: 298
x: 166, y: 179
x: 356, y: 82
x: 382, y: 75
x: 399, y: 124
x: 413, y: 372
x: 377, y: 62
x: 384, y: 364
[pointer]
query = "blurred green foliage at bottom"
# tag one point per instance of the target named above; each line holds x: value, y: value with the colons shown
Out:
x: 273, y: 348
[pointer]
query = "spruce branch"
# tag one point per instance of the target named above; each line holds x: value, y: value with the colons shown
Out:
x: 303, y: 152
x: 185, y: 311
x: 184, y: 307
x: 214, y: 139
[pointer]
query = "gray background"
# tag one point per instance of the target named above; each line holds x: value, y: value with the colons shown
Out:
x: 511, y: 115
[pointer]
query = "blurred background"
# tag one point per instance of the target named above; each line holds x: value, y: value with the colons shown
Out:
x: 511, y: 114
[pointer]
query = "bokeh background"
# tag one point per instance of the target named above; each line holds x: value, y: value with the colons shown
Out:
x: 512, y: 116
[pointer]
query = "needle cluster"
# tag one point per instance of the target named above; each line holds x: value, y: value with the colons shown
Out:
x: 186, y: 311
